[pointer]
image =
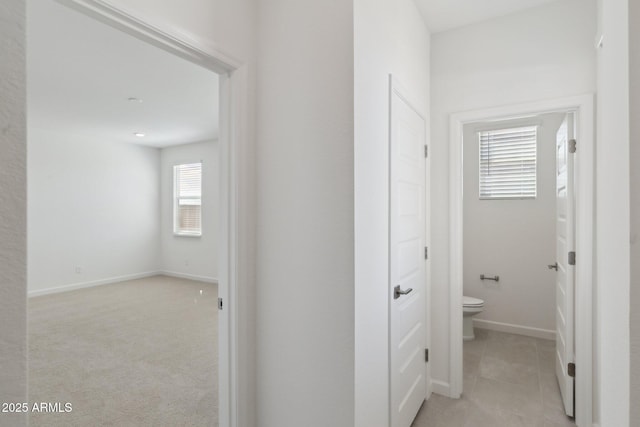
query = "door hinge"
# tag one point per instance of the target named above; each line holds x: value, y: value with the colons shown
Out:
x: 426, y: 150
x: 571, y: 370
x: 572, y: 145
x: 426, y: 252
x: 426, y: 354
x: 219, y: 303
x: 572, y: 258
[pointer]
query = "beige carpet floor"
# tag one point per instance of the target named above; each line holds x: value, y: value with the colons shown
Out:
x: 135, y: 353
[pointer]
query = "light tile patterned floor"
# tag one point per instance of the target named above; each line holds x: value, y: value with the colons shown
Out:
x: 509, y: 381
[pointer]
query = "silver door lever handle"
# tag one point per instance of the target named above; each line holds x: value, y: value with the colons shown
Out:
x: 397, y: 292
x: 553, y: 267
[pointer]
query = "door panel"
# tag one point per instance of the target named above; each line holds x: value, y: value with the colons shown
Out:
x: 407, y: 316
x: 565, y: 242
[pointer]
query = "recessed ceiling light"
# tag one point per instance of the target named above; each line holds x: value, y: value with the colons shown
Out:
x: 139, y: 134
x: 134, y: 99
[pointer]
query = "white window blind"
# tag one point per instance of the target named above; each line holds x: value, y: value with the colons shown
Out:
x: 188, y: 199
x: 508, y: 163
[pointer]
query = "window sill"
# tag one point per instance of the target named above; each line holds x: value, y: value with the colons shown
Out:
x: 187, y: 234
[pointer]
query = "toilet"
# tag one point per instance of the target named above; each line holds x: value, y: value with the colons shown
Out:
x: 470, y: 307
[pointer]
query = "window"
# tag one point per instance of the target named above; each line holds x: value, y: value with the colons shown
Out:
x: 508, y: 163
x: 187, y: 199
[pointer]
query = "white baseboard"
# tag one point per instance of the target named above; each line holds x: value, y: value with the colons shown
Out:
x: 515, y: 329
x: 205, y: 279
x: 441, y: 388
x: 91, y: 284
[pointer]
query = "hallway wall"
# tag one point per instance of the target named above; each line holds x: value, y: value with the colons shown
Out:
x: 13, y: 209
x: 304, y: 211
x: 634, y: 165
x: 390, y: 38
x: 612, y: 349
x: 507, y: 60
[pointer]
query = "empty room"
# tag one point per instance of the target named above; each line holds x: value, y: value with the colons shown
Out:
x: 122, y: 227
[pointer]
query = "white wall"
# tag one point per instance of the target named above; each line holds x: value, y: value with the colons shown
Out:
x: 541, y: 53
x: 514, y: 239
x: 634, y: 93
x: 612, y: 212
x: 390, y: 37
x: 305, y: 294
x: 193, y: 257
x: 13, y: 210
x: 92, y: 211
x: 101, y: 212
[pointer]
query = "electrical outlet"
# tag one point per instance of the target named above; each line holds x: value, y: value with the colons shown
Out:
x: 78, y: 270
x: 186, y: 263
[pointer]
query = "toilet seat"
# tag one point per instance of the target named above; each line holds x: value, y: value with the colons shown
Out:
x: 472, y: 302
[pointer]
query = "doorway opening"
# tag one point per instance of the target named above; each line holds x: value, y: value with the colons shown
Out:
x: 228, y: 80
x: 483, y: 121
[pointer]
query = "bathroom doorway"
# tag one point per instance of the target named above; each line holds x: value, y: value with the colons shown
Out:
x: 511, y: 244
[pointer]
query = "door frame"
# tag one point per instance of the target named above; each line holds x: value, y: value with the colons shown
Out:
x: 234, y: 84
x: 583, y: 106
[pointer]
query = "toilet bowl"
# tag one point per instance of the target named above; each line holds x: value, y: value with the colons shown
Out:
x: 470, y: 307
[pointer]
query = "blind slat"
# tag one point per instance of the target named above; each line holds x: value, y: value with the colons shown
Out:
x: 508, y: 163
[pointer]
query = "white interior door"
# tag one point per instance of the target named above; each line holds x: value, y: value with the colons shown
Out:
x: 407, y: 283
x: 565, y: 243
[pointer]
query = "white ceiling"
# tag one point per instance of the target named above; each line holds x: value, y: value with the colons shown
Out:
x: 442, y: 15
x: 81, y: 73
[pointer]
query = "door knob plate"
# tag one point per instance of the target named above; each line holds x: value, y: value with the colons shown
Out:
x: 397, y: 292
